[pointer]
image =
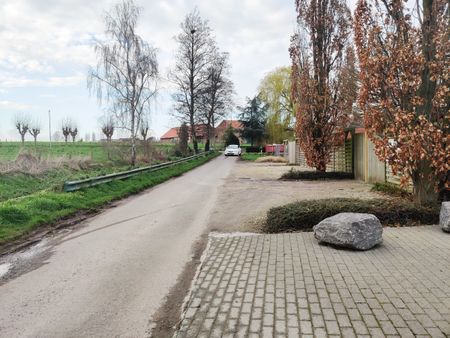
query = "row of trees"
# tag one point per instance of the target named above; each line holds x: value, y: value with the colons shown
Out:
x: 401, y: 86
x: 126, y: 76
x: 68, y: 129
x: 201, y: 76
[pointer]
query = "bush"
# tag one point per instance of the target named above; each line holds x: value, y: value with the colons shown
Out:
x: 391, y: 189
x: 303, y: 215
x: 315, y: 175
x: 251, y: 149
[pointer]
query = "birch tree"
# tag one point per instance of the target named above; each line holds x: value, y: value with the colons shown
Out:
x: 127, y: 71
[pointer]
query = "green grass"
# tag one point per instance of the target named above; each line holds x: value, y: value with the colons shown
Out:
x: 20, y: 216
x: 391, y: 190
x: 303, y: 215
x: 96, y: 151
x: 13, y: 185
x: 251, y: 156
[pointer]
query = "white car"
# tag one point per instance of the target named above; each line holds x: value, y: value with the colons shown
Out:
x: 233, y: 150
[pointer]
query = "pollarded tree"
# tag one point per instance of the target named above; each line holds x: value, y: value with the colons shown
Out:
x: 22, y: 124
x: 318, y: 53
x: 107, y: 127
x: 127, y: 70
x: 404, y: 91
x: 275, y: 90
x: 217, y: 94
x: 189, y: 75
x: 253, y: 119
x: 73, y: 132
x: 35, y: 130
x: 144, y: 129
x: 66, y: 128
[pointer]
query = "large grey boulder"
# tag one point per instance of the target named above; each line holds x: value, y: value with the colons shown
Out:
x: 350, y: 230
x: 444, y: 216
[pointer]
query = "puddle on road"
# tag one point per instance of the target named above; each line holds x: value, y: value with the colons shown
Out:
x: 4, y: 268
x: 15, y: 264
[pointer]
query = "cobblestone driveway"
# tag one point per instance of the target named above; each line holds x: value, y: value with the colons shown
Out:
x: 287, y: 285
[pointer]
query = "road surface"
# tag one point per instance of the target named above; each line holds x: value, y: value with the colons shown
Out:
x: 108, y: 277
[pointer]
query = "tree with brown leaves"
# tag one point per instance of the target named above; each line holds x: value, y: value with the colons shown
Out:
x: 318, y: 53
x: 404, y: 61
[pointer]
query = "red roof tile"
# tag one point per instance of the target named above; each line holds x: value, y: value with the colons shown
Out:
x: 170, y: 134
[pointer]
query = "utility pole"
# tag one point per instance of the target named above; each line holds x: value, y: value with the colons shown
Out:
x: 50, y: 127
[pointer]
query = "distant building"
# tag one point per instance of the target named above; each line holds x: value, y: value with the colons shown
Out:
x: 220, y: 130
x: 171, y: 136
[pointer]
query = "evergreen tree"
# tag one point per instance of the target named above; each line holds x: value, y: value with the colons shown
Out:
x: 230, y: 137
x: 253, y: 119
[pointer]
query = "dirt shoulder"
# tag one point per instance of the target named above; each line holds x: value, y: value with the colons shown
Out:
x: 253, y: 188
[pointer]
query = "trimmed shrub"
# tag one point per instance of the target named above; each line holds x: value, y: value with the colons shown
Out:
x: 251, y: 149
x: 303, y: 215
x: 316, y: 175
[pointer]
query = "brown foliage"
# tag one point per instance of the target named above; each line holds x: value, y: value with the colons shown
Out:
x: 405, y: 88
x: 320, y: 74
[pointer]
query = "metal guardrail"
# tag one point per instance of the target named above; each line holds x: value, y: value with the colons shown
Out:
x: 70, y: 186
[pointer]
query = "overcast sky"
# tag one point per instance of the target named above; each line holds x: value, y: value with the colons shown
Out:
x: 46, y: 49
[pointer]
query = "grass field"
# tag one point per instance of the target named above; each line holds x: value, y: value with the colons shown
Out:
x: 96, y: 151
x: 21, y: 215
x: 251, y: 156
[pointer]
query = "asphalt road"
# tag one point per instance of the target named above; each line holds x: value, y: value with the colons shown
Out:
x: 108, y: 277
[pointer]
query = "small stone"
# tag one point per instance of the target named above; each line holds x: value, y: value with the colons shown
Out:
x: 444, y: 216
x: 350, y: 230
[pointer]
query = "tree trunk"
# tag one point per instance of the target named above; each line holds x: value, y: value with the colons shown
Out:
x: 424, y: 185
x: 22, y: 136
x: 207, y: 138
x: 133, y: 151
x: 193, y: 135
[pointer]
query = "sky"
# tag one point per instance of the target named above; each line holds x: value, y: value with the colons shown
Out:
x: 46, y: 49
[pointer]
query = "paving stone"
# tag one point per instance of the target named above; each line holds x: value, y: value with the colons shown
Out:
x: 286, y: 285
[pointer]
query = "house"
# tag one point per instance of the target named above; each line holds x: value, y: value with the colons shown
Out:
x: 170, y: 136
x: 220, y: 130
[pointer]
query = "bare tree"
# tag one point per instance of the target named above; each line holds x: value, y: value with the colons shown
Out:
x: 108, y: 128
x: 127, y: 70
x: 144, y: 129
x: 195, y: 46
x: 35, y: 130
x: 22, y: 123
x: 93, y: 137
x: 73, y: 132
x: 217, y: 96
x: 66, y: 127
